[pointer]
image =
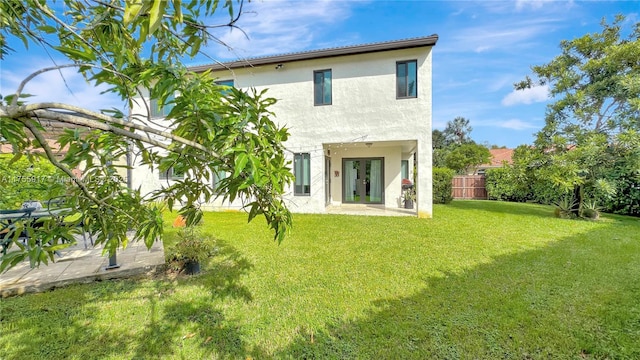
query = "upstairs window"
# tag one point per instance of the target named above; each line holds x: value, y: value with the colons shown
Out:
x: 228, y: 83
x: 172, y: 174
x: 407, y: 79
x: 322, y: 87
x: 157, y: 110
x: 302, y: 173
x: 225, y: 82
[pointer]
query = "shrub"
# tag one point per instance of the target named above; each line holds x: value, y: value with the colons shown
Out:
x: 442, y: 187
x: 564, y: 207
x: 625, y: 176
x: 504, y: 184
x: 22, y: 180
x: 499, y: 185
x: 590, y: 210
x: 191, y: 245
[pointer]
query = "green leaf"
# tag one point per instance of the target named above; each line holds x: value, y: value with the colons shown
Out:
x: 15, y: 158
x: 131, y: 10
x: 47, y: 29
x: 240, y: 163
x: 177, y: 8
x: 255, y: 210
x: 76, y: 54
x: 155, y: 15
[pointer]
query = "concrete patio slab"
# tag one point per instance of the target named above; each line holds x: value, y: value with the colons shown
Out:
x: 369, y: 210
x: 80, y: 265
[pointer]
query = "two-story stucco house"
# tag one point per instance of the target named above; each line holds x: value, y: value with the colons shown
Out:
x: 359, y: 118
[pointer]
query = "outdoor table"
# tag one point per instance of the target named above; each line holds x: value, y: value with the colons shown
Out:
x: 8, y: 217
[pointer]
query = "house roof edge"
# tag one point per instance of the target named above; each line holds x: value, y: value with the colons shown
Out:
x: 322, y: 53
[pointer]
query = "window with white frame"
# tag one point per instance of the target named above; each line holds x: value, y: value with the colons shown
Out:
x: 302, y: 173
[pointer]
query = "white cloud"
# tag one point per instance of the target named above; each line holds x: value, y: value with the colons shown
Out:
x: 527, y: 96
x: 516, y: 124
x: 538, y: 4
x: 277, y: 27
x: 507, y: 35
x: 65, y: 86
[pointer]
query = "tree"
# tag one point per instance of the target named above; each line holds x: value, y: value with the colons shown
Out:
x: 467, y: 157
x: 439, y: 144
x: 594, y: 83
x: 131, y: 46
x: 458, y: 131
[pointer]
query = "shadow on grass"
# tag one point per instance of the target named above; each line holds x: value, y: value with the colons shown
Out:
x: 217, y: 336
x: 543, y: 211
x: 224, y: 272
x: 576, y: 298
x: 80, y: 320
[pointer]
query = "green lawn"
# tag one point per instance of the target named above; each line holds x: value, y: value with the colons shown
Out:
x: 480, y: 280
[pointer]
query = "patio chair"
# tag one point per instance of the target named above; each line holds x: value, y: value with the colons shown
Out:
x: 8, y: 227
x: 60, y: 203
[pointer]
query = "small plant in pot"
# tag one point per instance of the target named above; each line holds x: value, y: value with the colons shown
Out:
x: 408, y: 198
x: 191, y: 249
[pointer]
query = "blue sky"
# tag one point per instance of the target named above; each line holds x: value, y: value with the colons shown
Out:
x: 484, y: 47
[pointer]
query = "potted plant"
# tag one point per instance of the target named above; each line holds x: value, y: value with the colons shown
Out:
x: 408, y: 198
x: 191, y: 249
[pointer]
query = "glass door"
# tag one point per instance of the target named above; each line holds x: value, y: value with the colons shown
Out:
x: 327, y: 180
x: 363, y: 181
x: 351, y: 181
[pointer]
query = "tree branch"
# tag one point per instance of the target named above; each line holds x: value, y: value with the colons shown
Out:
x: 604, y: 114
x: 57, y: 67
x: 94, y: 124
x: 90, y: 119
x: 80, y: 38
x: 47, y: 150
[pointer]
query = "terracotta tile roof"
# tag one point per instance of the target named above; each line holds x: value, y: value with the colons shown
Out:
x: 7, y: 149
x: 498, y: 157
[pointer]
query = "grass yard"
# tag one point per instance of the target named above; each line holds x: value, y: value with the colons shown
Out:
x: 480, y: 280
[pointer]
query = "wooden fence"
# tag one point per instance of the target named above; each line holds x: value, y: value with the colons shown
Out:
x: 469, y: 187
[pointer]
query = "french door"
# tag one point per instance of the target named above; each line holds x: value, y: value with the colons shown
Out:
x: 327, y: 180
x: 363, y: 181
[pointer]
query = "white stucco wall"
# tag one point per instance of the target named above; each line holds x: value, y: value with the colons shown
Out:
x: 364, y: 109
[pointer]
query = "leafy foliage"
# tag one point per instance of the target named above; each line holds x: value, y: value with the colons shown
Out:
x: 130, y: 47
x: 22, y: 180
x: 582, y: 150
x: 465, y: 158
x: 624, y: 176
x: 500, y: 185
x: 457, y: 131
x: 442, y: 185
x: 192, y: 244
x: 454, y: 149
